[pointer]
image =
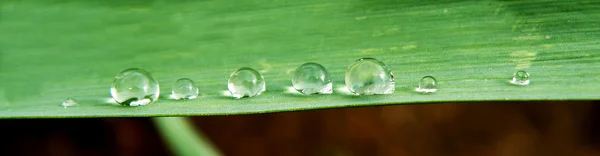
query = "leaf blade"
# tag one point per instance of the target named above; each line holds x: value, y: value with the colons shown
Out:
x: 472, y: 48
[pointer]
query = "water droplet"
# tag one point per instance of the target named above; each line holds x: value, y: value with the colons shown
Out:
x: 134, y: 87
x: 246, y: 82
x: 368, y: 76
x: 184, y: 88
x: 427, y: 85
x: 69, y: 103
x: 312, y: 78
x: 520, y: 78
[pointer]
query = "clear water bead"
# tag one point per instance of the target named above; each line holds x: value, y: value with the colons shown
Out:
x: 134, y: 87
x: 312, y: 78
x: 368, y: 76
x: 520, y: 78
x: 246, y: 82
x: 184, y: 88
x: 427, y: 85
x: 69, y: 103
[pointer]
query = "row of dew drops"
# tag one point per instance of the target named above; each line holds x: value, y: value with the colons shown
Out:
x: 366, y: 76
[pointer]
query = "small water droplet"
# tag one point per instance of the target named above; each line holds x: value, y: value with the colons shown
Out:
x: 312, y: 78
x: 246, y: 82
x: 69, y: 103
x: 427, y: 85
x: 520, y: 78
x: 368, y: 76
x: 184, y: 88
x: 134, y: 87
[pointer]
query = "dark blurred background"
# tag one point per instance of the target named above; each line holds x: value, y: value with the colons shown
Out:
x: 470, y: 129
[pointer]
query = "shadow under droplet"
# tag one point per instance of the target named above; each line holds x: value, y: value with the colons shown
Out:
x: 167, y: 98
x: 225, y: 94
x: 226, y: 97
x: 300, y: 95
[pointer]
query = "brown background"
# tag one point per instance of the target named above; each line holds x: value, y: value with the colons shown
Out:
x: 471, y: 129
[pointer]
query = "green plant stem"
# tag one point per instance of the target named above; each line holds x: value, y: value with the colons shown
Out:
x: 183, y: 140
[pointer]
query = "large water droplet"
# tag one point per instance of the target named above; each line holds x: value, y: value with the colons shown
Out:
x: 69, y: 103
x: 368, y: 76
x: 427, y: 85
x: 184, y: 88
x: 134, y: 87
x: 520, y: 78
x: 246, y: 82
x: 312, y: 78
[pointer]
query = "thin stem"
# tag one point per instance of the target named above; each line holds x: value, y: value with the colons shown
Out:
x: 182, y: 138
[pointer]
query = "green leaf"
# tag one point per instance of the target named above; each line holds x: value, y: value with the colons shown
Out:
x: 182, y: 138
x: 51, y: 50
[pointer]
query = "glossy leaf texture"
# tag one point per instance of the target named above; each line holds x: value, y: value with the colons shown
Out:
x: 51, y: 50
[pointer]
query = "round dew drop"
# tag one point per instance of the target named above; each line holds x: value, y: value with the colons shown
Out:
x: 520, y: 78
x: 312, y: 78
x: 246, y: 82
x: 134, y: 87
x: 69, y: 103
x: 184, y: 89
x: 427, y: 85
x: 368, y: 76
